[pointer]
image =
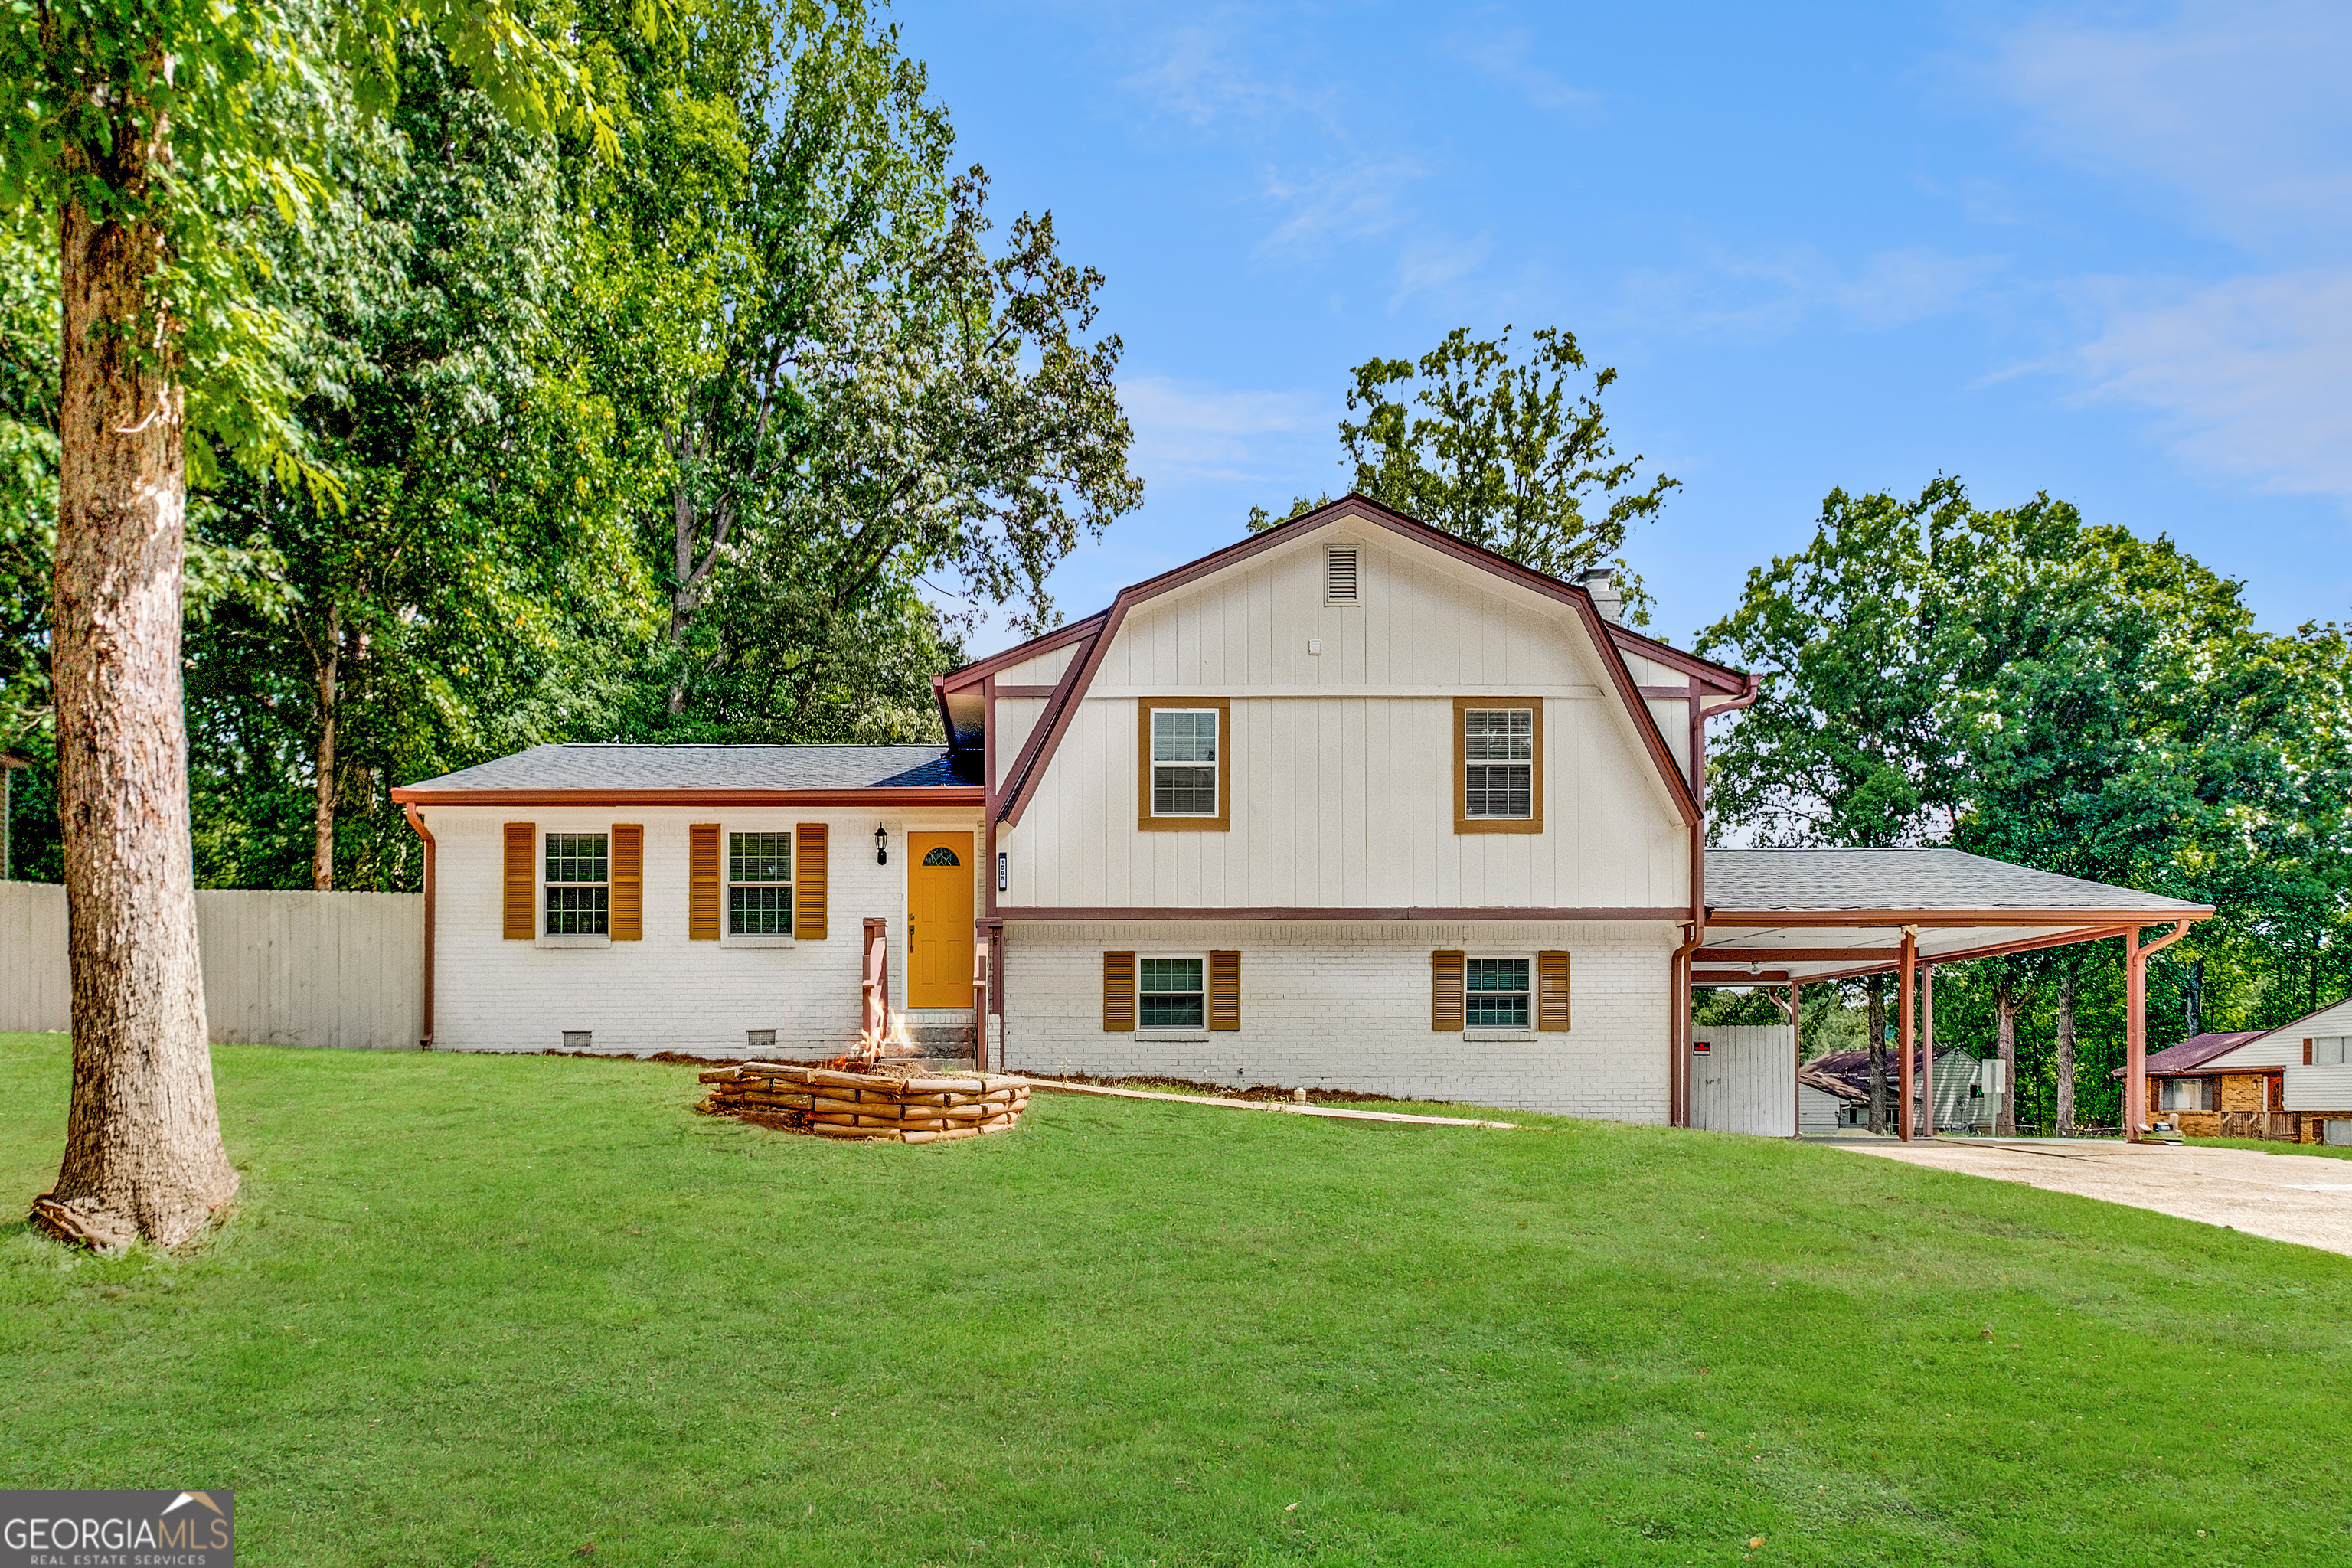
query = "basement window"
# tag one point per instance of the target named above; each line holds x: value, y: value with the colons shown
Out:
x: 1170, y: 995
x: 579, y: 884
x: 1495, y: 995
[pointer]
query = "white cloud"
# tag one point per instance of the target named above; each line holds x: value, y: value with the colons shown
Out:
x: 1758, y: 297
x: 1507, y: 57
x: 1191, y: 430
x: 2237, y: 116
x: 1432, y: 261
x: 2254, y: 375
x: 1193, y: 72
x: 1356, y: 200
x: 2240, y: 107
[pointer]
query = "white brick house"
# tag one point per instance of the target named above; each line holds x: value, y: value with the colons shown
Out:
x: 1351, y: 804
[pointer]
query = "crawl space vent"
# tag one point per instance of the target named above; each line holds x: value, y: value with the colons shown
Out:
x: 578, y: 1040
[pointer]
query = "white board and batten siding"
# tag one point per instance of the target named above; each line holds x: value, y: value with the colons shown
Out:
x: 1746, y: 1081
x: 1341, y: 763
x: 290, y: 968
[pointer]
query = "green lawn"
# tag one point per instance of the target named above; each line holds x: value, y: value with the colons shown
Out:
x: 474, y: 1310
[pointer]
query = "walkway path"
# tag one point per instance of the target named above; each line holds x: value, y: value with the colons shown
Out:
x: 2301, y: 1198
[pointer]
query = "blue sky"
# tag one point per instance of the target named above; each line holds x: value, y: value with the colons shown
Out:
x: 2100, y: 251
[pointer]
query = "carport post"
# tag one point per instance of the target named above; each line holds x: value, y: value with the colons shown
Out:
x: 2136, y: 1023
x: 1906, y: 1033
x: 1927, y: 1050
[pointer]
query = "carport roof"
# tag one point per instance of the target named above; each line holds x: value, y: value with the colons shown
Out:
x: 1819, y: 914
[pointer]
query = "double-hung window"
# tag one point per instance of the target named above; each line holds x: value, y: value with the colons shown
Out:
x: 1495, y: 994
x: 1497, y: 766
x: 759, y: 884
x: 579, y: 884
x: 1170, y: 994
x: 1186, y: 778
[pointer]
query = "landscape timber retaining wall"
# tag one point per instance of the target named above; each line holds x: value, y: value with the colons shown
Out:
x: 833, y: 1104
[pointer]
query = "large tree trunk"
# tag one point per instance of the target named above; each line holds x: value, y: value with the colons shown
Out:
x: 323, y: 841
x: 1877, y: 991
x: 2065, y: 1068
x: 144, y: 1153
x: 2006, y: 1001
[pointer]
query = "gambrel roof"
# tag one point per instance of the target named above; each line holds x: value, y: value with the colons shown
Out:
x: 1093, y: 637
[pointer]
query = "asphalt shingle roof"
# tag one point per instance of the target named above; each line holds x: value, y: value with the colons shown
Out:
x: 2196, y: 1051
x: 605, y: 765
x: 1904, y: 880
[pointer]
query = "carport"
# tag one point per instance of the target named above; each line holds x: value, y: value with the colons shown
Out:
x: 1786, y: 918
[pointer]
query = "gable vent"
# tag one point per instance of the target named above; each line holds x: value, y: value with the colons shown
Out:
x: 1340, y: 574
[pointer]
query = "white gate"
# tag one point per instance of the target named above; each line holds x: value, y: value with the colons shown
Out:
x: 1743, y: 1078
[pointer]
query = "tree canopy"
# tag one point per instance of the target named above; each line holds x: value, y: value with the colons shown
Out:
x: 1512, y: 455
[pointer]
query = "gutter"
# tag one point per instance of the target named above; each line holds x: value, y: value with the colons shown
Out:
x: 416, y: 821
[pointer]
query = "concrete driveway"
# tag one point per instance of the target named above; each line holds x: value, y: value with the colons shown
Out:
x: 2301, y: 1198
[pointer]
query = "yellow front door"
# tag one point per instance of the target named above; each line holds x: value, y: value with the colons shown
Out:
x: 938, y: 920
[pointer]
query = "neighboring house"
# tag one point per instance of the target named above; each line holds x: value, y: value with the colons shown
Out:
x: 2293, y: 1083
x: 1826, y: 1105
x: 1348, y: 804
x: 1961, y: 1102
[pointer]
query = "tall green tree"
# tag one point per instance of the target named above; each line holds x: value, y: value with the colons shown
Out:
x: 2025, y: 685
x: 1511, y: 454
x: 840, y: 389
x: 147, y: 132
x: 472, y: 586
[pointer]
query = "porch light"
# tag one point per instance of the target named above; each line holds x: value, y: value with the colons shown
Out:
x: 881, y: 844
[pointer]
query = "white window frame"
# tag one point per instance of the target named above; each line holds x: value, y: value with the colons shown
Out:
x: 1216, y: 766
x: 2171, y: 1087
x: 546, y: 937
x: 1528, y: 762
x: 2330, y: 1050
x: 1480, y: 1032
x: 1171, y: 1031
x: 727, y: 935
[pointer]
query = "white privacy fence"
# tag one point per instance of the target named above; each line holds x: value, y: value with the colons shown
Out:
x: 281, y: 968
x: 1745, y: 1080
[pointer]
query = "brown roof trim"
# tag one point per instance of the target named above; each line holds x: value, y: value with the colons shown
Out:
x: 970, y: 675
x: 1311, y: 912
x: 1051, y: 720
x: 1705, y: 671
x: 1047, y: 737
x: 2087, y: 919
x: 932, y: 795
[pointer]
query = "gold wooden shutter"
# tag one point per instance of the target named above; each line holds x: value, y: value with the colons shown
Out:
x: 1445, y: 991
x: 1119, y: 992
x: 522, y: 881
x: 702, y: 882
x: 629, y: 869
x: 1224, y: 991
x: 808, y: 880
x: 1551, y: 992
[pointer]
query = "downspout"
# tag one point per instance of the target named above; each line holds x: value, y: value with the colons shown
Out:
x: 417, y: 822
x: 1678, y: 983
x: 992, y: 1001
